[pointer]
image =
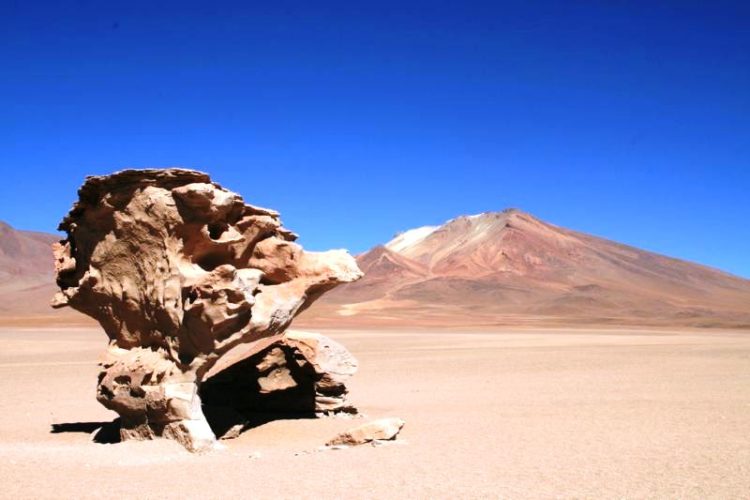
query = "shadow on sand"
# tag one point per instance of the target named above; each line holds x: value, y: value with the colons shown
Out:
x: 221, y: 421
x: 101, y: 432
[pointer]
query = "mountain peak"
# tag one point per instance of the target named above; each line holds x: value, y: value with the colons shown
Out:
x: 508, y: 213
x: 407, y: 239
x: 492, y: 266
x: 427, y: 242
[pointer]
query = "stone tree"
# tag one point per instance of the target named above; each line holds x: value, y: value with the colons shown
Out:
x: 193, y: 285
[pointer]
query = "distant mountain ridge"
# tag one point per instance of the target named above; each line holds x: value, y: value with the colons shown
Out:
x: 25, y: 252
x: 27, y: 279
x: 511, y: 268
x: 494, y: 269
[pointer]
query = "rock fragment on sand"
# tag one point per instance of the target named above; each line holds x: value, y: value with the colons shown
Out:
x: 187, y: 280
x: 384, y: 429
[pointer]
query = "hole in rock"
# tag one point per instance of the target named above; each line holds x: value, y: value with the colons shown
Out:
x: 186, y: 358
x: 267, y: 386
x: 211, y: 261
x: 216, y: 229
x: 266, y: 281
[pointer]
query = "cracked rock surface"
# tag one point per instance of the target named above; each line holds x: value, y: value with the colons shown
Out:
x: 188, y: 281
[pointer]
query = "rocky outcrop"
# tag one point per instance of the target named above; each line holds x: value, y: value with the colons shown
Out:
x: 186, y: 280
x: 384, y: 429
x: 301, y: 372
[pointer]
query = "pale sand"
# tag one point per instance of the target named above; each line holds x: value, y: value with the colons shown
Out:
x: 511, y: 414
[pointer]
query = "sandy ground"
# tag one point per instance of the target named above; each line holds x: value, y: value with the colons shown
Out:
x: 532, y: 414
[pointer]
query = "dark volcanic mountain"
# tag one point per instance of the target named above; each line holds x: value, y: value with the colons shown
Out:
x: 512, y: 268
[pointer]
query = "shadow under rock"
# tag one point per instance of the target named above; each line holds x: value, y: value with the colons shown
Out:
x: 227, y: 422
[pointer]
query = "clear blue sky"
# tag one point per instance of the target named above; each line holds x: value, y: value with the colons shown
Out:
x: 628, y: 120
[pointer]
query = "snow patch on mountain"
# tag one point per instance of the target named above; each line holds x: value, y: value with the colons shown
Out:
x: 409, y: 238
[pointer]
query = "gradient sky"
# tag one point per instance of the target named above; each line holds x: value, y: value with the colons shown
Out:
x: 627, y: 120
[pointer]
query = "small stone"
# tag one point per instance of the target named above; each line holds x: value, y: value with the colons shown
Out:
x: 233, y: 432
x: 338, y: 447
x: 380, y: 430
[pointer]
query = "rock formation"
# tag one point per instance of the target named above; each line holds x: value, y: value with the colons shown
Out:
x: 189, y: 283
x: 384, y: 429
x: 301, y: 372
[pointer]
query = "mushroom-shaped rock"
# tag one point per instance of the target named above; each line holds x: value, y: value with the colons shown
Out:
x: 180, y: 273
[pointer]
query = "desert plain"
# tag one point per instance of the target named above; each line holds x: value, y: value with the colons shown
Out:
x: 504, y: 413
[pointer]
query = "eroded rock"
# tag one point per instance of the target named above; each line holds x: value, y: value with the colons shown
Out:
x: 384, y: 429
x: 301, y: 373
x: 184, y: 278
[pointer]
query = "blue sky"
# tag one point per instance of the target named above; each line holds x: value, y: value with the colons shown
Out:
x: 628, y: 120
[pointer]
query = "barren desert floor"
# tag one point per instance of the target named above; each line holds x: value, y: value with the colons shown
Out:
x: 512, y: 414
